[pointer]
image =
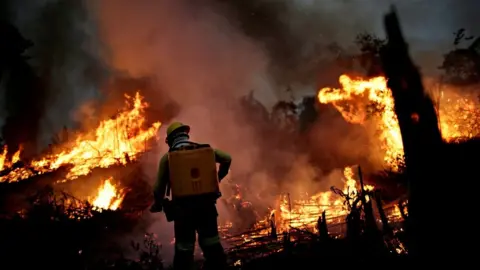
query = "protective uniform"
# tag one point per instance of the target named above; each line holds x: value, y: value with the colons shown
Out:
x: 188, y: 170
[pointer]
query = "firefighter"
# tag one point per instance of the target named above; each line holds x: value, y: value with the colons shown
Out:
x: 193, y: 182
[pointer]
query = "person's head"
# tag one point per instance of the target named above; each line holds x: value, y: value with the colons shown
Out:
x: 175, y: 130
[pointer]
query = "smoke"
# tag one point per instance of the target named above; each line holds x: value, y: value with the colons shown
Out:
x: 204, y: 55
x: 67, y: 54
x: 334, y: 143
x: 296, y: 35
x: 200, y: 61
x: 297, y: 32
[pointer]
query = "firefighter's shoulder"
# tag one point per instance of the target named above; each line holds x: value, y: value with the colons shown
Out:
x: 164, y: 158
x: 222, y: 155
x: 219, y: 154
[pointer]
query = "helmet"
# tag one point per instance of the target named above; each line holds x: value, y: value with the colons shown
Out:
x: 177, y: 126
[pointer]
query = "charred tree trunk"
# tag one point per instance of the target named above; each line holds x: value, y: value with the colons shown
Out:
x: 353, y: 225
x: 370, y: 224
x: 273, y: 228
x: 322, y: 227
x: 421, y: 136
x: 386, y: 228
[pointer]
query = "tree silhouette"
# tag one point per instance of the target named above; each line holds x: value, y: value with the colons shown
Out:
x: 308, y: 113
x: 461, y: 66
x: 23, y: 90
x: 369, y: 58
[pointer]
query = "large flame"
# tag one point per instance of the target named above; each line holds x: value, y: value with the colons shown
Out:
x: 5, y: 162
x: 116, y: 141
x: 109, y: 196
x: 362, y: 100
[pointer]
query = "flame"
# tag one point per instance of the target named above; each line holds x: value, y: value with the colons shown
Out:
x: 358, y: 99
x: 115, y: 141
x: 352, y: 101
x: 4, y: 162
x: 16, y: 156
x: 304, y: 213
x: 3, y: 158
x: 458, y: 115
x: 368, y: 101
x: 108, y: 197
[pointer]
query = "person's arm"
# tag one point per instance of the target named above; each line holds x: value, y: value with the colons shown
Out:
x: 225, y: 160
x: 160, y: 187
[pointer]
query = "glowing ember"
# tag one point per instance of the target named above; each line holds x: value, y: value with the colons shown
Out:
x: 459, y: 116
x: 116, y: 141
x: 108, y: 197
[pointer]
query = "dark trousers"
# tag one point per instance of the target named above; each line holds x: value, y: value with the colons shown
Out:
x: 202, y: 219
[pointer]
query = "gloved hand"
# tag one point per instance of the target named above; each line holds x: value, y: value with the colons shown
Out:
x: 156, y: 208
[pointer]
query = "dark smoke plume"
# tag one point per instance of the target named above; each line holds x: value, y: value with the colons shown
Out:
x: 297, y: 32
x: 67, y: 55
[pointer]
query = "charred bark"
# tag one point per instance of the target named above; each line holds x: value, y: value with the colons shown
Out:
x: 383, y: 217
x: 370, y: 224
x: 322, y: 227
x: 421, y: 137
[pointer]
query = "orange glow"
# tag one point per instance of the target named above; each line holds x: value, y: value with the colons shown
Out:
x: 115, y: 141
x: 356, y: 98
x: 109, y: 196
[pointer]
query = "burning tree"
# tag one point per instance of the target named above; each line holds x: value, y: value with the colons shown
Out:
x: 101, y: 212
x: 118, y: 140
